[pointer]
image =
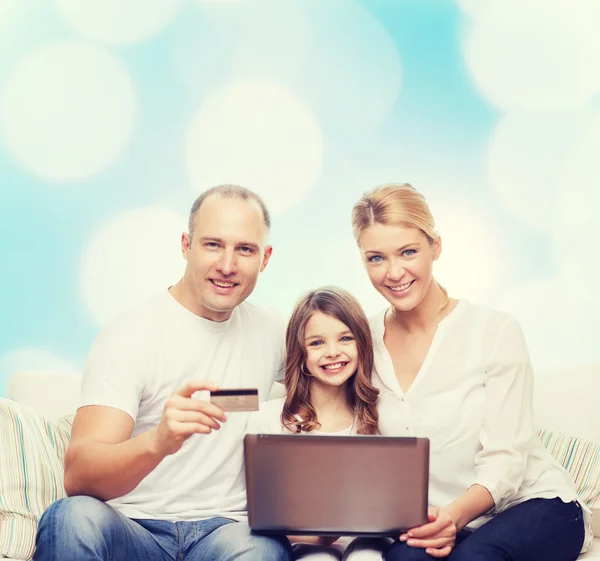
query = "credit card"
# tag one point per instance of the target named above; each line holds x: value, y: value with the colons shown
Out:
x: 239, y: 399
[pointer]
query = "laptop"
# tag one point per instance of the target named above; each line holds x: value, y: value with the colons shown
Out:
x: 336, y: 485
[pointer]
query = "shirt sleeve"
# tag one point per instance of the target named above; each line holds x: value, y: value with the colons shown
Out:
x: 282, y: 326
x: 508, y: 427
x: 115, y: 369
x: 278, y: 327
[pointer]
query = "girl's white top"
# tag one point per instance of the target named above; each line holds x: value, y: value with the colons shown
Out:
x: 473, y: 399
x: 268, y: 421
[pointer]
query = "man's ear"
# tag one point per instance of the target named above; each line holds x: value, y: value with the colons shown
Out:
x: 186, y: 243
x: 437, y: 248
x: 266, y: 257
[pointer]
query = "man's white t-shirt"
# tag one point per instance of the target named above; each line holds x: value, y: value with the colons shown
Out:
x: 144, y: 356
x: 473, y: 398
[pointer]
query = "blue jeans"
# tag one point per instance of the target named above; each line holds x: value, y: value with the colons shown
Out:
x: 536, y: 530
x: 86, y: 529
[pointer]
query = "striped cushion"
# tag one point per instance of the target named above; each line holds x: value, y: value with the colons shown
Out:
x: 31, y: 474
x: 581, y: 458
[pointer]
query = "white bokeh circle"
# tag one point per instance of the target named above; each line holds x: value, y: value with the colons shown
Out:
x: 258, y: 135
x: 8, y: 11
x: 575, y: 233
x: 320, y: 259
x: 579, y: 200
x: 472, y: 8
x: 118, y: 21
x: 68, y: 111
x: 131, y: 257
x: 475, y: 261
x: 347, y: 68
x: 526, y: 158
x: 337, y: 261
x: 533, y: 54
x: 32, y: 358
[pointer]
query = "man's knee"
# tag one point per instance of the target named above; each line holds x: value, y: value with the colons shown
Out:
x: 78, y: 513
x: 236, y: 541
x: 71, y: 523
x: 270, y: 549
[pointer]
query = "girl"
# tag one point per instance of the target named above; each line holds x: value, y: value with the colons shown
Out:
x: 328, y: 365
x: 460, y: 374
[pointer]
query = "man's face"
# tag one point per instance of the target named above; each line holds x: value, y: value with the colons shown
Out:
x: 225, y: 256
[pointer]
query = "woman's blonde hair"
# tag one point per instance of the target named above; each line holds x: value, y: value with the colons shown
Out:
x: 393, y: 204
x: 298, y: 413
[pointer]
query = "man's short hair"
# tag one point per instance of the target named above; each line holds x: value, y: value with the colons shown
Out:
x: 231, y: 192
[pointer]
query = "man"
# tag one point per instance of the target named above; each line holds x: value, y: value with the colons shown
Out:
x: 170, y: 465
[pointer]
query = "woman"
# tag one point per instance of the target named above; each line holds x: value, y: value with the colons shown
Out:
x: 460, y: 374
x: 328, y: 367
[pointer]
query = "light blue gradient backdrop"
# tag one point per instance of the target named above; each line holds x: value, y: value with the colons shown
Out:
x: 371, y: 91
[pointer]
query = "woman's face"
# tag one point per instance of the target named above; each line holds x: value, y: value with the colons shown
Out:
x: 331, y: 350
x: 399, y: 262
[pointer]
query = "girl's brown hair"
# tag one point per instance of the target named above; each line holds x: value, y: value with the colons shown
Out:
x: 298, y: 413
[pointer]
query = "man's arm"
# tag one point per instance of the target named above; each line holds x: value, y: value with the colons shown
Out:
x: 103, y: 461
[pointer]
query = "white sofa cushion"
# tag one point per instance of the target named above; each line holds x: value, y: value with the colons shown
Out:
x: 31, y: 474
x: 593, y: 554
x: 567, y: 401
x: 52, y: 394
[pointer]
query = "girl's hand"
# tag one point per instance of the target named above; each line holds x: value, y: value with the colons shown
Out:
x: 438, y: 537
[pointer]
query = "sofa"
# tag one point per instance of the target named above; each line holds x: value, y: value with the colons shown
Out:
x: 565, y: 405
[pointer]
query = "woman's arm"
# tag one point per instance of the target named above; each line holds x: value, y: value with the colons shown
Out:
x: 505, y: 439
x: 474, y: 502
x: 508, y: 427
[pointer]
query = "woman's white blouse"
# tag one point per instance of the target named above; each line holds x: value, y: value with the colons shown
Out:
x: 472, y: 398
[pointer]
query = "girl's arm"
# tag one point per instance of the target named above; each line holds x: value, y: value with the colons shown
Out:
x: 508, y: 428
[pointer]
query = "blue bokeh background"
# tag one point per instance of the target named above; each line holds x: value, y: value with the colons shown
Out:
x: 114, y: 115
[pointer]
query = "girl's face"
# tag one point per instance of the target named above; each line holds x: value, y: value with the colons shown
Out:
x: 331, y: 350
x: 399, y: 262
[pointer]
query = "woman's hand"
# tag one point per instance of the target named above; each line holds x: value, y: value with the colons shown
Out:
x: 437, y: 537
